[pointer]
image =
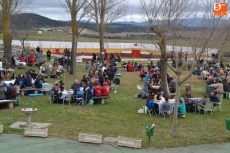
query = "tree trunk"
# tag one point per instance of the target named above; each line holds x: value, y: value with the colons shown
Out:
x: 174, y: 128
x: 7, y: 47
x: 101, y: 41
x: 164, y: 80
x: 73, y: 55
x: 6, y: 35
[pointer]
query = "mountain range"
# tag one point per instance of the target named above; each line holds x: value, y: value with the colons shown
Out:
x: 116, y: 27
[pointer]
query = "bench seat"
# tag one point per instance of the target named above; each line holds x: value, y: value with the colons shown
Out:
x: 22, y: 91
x: 10, y: 102
x: 102, y: 98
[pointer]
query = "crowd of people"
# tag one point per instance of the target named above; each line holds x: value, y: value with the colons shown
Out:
x: 97, y: 83
x: 217, y: 76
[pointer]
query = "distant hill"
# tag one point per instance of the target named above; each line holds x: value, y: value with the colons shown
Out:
x: 38, y: 21
x: 42, y: 22
x: 116, y: 27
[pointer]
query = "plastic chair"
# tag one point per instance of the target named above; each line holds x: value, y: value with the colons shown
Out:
x: 79, y: 97
x: 208, y: 107
x: 46, y: 87
x: 67, y: 98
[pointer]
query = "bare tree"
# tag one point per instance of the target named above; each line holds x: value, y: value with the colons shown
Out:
x: 169, y: 18
x: 78, y: 9
x: 104, y: 12
x: 8, y: 8
x: 21, y: 31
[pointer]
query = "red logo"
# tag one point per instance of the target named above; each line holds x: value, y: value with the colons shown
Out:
x: 220, y: 9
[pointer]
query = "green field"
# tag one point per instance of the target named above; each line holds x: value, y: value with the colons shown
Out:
x: 119, y: 117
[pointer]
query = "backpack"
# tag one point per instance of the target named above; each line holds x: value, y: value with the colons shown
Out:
x: 141, y: 96
x: 116, y: 80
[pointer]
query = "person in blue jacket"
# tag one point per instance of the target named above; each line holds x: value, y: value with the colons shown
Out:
x: 181, y: 109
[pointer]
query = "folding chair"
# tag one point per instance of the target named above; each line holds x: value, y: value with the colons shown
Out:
x: 53, y: 97
x: 67, y: 98
x: 150, y: 108
x: 207, y: 107
x: 218, y: 105
x: 79, y: 97
x: 164, y: 113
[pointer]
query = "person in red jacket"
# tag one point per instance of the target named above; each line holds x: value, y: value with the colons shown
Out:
x: 97, y: 89
x: 105, y: 89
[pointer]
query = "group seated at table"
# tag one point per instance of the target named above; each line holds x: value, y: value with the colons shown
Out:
x: 80, y: 90
x: 30, y: 80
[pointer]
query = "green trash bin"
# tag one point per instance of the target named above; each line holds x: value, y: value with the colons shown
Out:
x: 227, y: 121
x: 17, y: 102
x: 149, y: 130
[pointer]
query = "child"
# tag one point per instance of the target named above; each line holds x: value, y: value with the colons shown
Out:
x: 181, y: 109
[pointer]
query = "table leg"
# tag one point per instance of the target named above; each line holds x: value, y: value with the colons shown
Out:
x: 22, y: 93
x: 36, y: 92
x: 11, y: 105
x: 102, y: 101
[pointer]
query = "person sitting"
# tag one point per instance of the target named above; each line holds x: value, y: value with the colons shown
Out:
x: 13, y: 77
x: 213, y: 98
x: 219, y: 88
x: 75, y: 85
x: 38, y: 82
x: 142, y: 74
x: 150, y: 104
x: 106, y: 80
x: 20, y: 80
x: 204, y: 101
x: 105, y: 89
x: 147, y: 76
x: 11, y: 92
x: 97, y: 89
x: 172, y: 85
x: 181, y: 109
x: 188, y: 102
x: 165, y: 109
x: 61, y: 86
x: 54, y: 71
x: 28, y: 81
x: 226, y: 86
x: 23, y: 59
x: 46, y: 71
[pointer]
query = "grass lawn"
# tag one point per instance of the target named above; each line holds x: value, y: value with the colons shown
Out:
x: 119, y: 117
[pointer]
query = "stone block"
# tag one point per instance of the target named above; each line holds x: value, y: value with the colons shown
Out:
x: 90, y: 138
x: 31, y: 132
x: 129, y: 142
x: 1, y: 128
x: 110, y: 140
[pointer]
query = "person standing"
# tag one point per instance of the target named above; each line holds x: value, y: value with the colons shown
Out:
x: 48, y: 53
x: 13, y: 61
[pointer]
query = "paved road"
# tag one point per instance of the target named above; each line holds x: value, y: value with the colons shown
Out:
x: 10, y: 143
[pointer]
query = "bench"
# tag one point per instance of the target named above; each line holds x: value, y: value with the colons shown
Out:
x: 10, y: 102
x: 22, y: 91
x: 102, y: 98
